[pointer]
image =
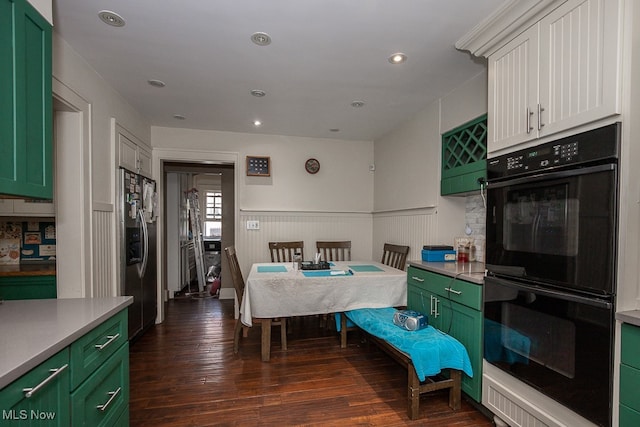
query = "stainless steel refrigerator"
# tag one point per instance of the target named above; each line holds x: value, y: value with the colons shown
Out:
x: 138, y: 249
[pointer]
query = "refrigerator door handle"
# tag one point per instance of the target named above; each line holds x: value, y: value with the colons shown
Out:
x: 142, y: 267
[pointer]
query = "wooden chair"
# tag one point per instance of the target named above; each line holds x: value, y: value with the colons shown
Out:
x: 284, y: 251
x: 395, y: 256
x: 335, y: 251
x: 238, y: 284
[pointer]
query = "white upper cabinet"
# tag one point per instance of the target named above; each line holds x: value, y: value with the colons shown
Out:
x: 133, y: 157
x: 556, y: 70
x: 579, y: 64
x: 513, y: 91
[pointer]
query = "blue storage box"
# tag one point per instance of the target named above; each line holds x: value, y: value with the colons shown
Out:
x: 438, y: 256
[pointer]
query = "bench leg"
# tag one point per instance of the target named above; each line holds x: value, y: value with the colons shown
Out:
x: 455, y: 392
x: 413, y: 393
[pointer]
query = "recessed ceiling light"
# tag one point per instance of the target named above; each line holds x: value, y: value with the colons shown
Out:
x: 156, y: 83
x: 261, y: 39
x: 258, y: 93
x: 398, y: 58
x: 111, y: 18
x: 257, y: 123
x: 179, y: 117
x: 357, y: 104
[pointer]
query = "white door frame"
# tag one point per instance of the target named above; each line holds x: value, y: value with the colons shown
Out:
x: 161, y: 155
x: 73, y: 200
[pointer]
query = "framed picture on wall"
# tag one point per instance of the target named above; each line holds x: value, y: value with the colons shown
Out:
x: 258, y: 166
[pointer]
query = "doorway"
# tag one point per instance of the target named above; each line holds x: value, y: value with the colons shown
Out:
x: 216, y: 193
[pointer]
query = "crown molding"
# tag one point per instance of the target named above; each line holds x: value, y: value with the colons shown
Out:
x: 506, y: 22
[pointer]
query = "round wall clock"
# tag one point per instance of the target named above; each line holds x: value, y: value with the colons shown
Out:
x: 312, y: 166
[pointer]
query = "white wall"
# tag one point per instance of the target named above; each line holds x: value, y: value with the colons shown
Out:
x: 71, y: 69
x: 408, y: 207
x: 334, y: 204
x: 101, y: 103
x: 344, y: 182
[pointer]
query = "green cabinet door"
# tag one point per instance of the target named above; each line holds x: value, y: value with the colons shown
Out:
x: 104, y: 396
x: 48, y: 404
x: 465, y: 325
x: 28, y: 287
x: 629, y: 376
x: 454, y: 307
x: 26, y: 119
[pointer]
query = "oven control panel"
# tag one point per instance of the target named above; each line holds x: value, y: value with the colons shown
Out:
x: 543, y: 157
x: 598, y: 144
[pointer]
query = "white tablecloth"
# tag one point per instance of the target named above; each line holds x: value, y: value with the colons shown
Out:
x: 291, y: 293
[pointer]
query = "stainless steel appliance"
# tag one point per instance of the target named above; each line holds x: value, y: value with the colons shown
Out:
x: 138, y: 249
x: 551, y: 260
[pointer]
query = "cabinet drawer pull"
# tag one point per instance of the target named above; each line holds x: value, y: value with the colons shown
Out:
x: 112, y: 395
x: 29, y: 392
x: 111, y: 338
x: 417, y: 279
x: 453, y: 291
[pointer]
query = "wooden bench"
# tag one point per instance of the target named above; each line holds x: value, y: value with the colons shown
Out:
x: 414, y: 387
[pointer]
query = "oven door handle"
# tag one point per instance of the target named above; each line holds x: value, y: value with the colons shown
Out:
x: 551, y: 175
x: 551, y: 293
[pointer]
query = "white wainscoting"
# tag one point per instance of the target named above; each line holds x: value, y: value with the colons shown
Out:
x: 104, y: 283
x: 367, y: 232
x: 253, y: 245
x: 413, y: 228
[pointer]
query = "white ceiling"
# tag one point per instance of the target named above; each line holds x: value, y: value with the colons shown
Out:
x: 324, y: 55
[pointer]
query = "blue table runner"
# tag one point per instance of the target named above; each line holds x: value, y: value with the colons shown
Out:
x: 272, y: 269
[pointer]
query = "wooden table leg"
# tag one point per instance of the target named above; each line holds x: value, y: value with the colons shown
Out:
x: 266, y: 339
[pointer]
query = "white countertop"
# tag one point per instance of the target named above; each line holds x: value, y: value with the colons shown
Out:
x: 31, y: 331
x: 632, y: 317
x: 469, y: 271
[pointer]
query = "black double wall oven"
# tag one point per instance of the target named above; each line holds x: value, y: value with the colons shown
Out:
x: 551, y: 268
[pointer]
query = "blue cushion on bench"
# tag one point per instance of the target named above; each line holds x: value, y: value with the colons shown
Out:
x: 430, y: 349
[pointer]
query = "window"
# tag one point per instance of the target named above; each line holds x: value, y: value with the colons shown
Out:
x: 213, y: 214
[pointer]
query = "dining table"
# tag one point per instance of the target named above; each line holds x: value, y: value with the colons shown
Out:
x: 284, y: 290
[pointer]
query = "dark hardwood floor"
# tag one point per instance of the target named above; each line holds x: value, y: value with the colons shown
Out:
x: 184, y: 373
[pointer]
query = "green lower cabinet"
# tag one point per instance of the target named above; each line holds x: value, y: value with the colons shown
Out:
x: 456, y: 312
x: 104, y: 396
x: 27, y: 287
x: 628, y: 417
x: 123, y: 420
x: 48, y: 403
x: 630, y: 376
x: 86, y: 384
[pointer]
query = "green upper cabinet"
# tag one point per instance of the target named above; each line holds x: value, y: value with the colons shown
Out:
x: 26, y: 119
x: 464, y: 157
